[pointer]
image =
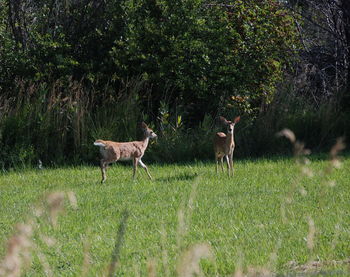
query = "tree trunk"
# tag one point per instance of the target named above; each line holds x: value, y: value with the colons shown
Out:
x: 14, y: 16
x: 345, y: 6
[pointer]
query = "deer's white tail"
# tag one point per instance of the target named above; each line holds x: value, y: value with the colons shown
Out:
x: 100, y: 144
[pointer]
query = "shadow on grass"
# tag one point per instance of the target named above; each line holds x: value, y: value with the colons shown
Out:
x: 179, y: 177
x: 118, y: 244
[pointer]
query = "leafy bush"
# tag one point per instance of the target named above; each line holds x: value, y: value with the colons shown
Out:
x: 205, y: 55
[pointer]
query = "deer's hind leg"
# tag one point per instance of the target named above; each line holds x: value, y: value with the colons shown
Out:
x: 103, y: 166
x: 222, y: 164
x: 217, y: 158
x: 135, y: 161
x: 217, y: 163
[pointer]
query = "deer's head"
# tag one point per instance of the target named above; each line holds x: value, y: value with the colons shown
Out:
x: 148, y: 132
x: 230, y: 125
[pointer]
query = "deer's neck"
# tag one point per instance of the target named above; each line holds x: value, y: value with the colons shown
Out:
x: 144, y: 143
x: 230, y: 137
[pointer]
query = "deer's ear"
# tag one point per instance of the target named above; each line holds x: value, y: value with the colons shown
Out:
x: 223, y: 120
x: 143, y: 125
x: 237, y: 119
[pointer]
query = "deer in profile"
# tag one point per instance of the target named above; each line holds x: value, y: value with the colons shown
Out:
x: 224, y: 145
x: 134, y: 150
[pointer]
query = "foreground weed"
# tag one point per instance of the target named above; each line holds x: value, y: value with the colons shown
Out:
x: 22, y: 246
x: 300, y: 152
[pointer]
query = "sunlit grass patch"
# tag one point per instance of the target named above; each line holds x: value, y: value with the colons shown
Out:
x: 271, y: 217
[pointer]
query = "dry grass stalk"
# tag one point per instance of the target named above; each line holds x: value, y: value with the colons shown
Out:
x: 335, y: 161
x: 299, y: 147
x: 238, y: 273
x: 181, y: 227
x: 47, y: 240
x: 274, y: 256
x: 239, y: 265
x: 300, y: 152
x: 190, y: 261
x: 259, y: 272
x: 184, y: 215
x: 20, y: 247
x: 55, y: 205
x: 136, y: 270
x: 165, y: 259
x: 45, y: 264
x: 86, y: 260
x: 337, y: 232
x: 288, y: 134
x: 338, y: 147
x: 311, y: 234
x: 72, y: 199
x: 316, y: 266
x: 151, y: 268
x: 254, y: 271
x: 18, y: 251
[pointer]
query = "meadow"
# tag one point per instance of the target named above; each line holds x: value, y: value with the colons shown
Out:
x: 279, y: 216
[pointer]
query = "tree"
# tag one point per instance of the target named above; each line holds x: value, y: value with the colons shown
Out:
x: 208, y: 55
x: 324, y: 30
x: 203, y: 55
x: 61, y: 38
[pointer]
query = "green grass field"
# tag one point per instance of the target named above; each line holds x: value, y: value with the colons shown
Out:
x: 273, y: 216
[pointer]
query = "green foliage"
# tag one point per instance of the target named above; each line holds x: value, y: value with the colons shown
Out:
x: 77, y: 71
x: 58, y: 123
x: 318, y: 127
x: 53, y: 40
x: 58, y: 126
x: 205, y: 53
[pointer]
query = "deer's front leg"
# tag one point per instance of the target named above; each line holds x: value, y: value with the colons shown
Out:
x: 145, y: 167
x: 231, y: 163
x: 228, y: 164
